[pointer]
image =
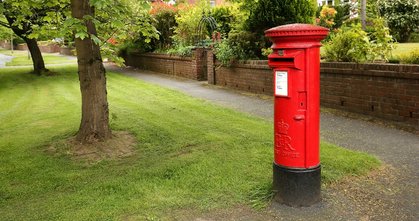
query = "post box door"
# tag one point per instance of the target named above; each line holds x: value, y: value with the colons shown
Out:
x: 290, y: 115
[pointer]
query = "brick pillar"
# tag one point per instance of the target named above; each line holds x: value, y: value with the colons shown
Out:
x: 210, y: 67
x: 199, y: 64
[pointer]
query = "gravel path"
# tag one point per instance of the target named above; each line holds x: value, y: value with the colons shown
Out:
x: 389, y: 193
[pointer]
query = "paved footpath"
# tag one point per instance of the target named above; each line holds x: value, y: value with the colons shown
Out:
x: 390, y: 193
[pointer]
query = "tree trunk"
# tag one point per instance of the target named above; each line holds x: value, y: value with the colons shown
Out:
x: 94, y: 124
x: 37, y: 59
x: 364, y: 14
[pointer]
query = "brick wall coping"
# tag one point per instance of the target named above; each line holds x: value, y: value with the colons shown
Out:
x: 253, y: 64
x: 407, y: 71
x: 163, y: 56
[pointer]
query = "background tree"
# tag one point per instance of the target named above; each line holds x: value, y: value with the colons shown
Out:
x: 402, y: 17
x: 27, y: 18
x: 267, y: 14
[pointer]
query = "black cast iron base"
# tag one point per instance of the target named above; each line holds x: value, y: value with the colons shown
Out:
x: 296, y: 187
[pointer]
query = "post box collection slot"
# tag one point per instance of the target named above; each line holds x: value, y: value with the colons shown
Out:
x: 287, y: 61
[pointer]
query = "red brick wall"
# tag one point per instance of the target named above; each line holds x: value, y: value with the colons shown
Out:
x: 252, y: 76
x: 388, y: 91
x: 52, y: 48
x: 22, y: 47
x: 188, y: 67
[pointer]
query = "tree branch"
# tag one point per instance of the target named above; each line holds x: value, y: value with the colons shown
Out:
x: 4, y: 24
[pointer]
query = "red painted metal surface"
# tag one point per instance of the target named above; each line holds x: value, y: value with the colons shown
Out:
x: 296, y: 64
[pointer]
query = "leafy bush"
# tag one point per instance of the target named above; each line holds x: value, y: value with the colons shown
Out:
x: 228, y: 17
x: 267, y: 14
x: 342, y: 14
x: 352, y: 44
x: 349, y: 44
x: 188, y: 18
x: 240, y: 45
x: 402, y: 17
x: 380, y: 40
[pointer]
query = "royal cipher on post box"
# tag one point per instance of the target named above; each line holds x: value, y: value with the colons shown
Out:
x: 295, y: 61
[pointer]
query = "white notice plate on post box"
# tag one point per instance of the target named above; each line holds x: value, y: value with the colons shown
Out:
x: 281, y: 83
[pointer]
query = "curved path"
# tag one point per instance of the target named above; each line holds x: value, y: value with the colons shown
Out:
x: 390, y: 193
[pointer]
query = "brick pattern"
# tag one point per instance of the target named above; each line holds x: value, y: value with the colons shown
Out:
x: 386, y: 91
x: 210, y: 67
x: 251, y: 76
x: 194, y: 67
x: 52, y: 48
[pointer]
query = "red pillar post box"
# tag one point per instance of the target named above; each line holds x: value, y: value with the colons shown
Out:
x: 296, y: 65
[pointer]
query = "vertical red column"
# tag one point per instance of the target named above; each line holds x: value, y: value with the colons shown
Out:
x: 296, y: 64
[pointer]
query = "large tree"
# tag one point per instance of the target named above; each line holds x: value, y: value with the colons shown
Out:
x: 95, y: 112
x: 117, y: 20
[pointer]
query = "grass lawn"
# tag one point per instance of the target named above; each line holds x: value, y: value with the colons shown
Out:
x: 22, y: 58
x: 405, y: 48
x: 191, y: 155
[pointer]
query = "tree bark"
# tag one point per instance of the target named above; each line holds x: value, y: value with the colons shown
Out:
x: 36, y: 55
x: 94, y: 124
x: 364, y: 14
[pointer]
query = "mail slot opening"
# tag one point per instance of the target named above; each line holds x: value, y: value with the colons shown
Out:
x: 283, y: 61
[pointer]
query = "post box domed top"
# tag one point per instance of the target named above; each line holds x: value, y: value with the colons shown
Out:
x: 296, y: 36
x: 296, y: 30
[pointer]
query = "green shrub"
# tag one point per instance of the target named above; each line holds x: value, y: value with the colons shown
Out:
x: 352, y: 44
x: 381, y: 42
x: 349, y: 44
x: 342, y: 14
x: 267, y: 14
x: 228, y: 17
x: 411, y: 58
x: 240, y: 45
x: 188, y: 18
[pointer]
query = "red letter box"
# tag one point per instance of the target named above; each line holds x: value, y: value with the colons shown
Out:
x: 296, y: 64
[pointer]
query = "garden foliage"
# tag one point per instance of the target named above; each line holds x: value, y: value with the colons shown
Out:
x: 240, y: 45
x: 164, y: 16
x: 402, y: 17
x: 326, y: 17
x: 352, y: 44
